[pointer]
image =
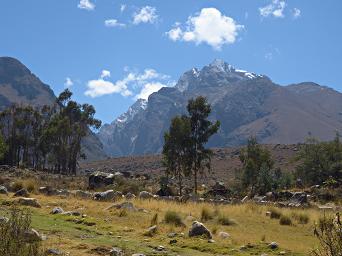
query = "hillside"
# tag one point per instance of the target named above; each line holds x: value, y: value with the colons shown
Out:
x: 18, y: 85
x: 245, y: 103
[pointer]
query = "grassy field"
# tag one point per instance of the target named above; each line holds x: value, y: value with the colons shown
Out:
x: 103, y: 228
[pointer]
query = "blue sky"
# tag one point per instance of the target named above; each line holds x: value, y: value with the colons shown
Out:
x: 111, y: 52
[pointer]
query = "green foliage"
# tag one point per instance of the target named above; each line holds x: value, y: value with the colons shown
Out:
x: 47, y: 137
x: 3, y: 147
x: 173, y: 218
x: 320, y: 162
x: 285, y: 220
x: 14, y: 238
x: 258, y: 174
x: 184, y: 148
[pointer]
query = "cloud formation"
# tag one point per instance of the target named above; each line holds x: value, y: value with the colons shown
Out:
x: 209, y: 26
x: 296, y: 13
x: 275, y: 8
x: 68, y: 82
x: 146, y: 14
x: 86, y: 5
x: 114, y: 23
x: 139, y: 84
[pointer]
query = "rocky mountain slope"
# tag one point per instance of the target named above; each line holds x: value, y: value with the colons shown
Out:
x: 245, y: 103
x: 19, y: 85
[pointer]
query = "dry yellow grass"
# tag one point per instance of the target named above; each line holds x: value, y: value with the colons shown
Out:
x: 252, y: 226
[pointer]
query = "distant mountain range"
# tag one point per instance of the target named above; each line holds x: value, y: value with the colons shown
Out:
x: 18, y: 85
x: 246, y: 104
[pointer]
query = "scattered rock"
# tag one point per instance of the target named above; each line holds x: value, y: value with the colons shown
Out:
x: 145, y: 195
x: 100, y: 179
x: 22, y: 192
x: 72, y: 213
x: 223, y: 235
x: 130, y: 196
x: 173, y: 241
x: 54, y: 252
x: 273, y: 245
x: 172, y: 235
x: 57, y: 210
x: 116, y: 252
x: 125, y: 205
x: 104, y: 196
x: 138, y: 254
x: 83, y: 194
x: 3, y: 220
x: 198, y: 229
x: 160, y: 248
x: 211, y: 241
x: 3, y: 190
x: 32, y: 236
x: 33, y: 202
x: 151, y: 230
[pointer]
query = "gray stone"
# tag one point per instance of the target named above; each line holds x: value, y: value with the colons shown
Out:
x: 32, y: 236
x: 138, y: 254
x: 273, y: 245
x: 145, y: 195
x: 223, y: 235
x: 3, y: 220
x: 83, y: 194
x: 104, y: 196
x: 198, y: 229
x: 116, y: 252
x: 125, y: 205
x: 130, y: 196
x: 100, y: 179
x: 54, y: 252
x: 3, y: 190
x: 29, y: 202
x: 22, y: 192
x: 57, y: 210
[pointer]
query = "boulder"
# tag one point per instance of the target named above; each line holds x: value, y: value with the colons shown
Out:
x: 198, y: 229
x: 145, y: 195
x: 151, y: 230
x: 32, y: 236
x: 116, y: 252
x: 166, y: 191
x: 22, y: 192
x: 3, y: 190
x: 100, y: 179
x: 218, y: 189
x: 33, y: 202
x: 49, y: 191
x: 104, y: 196
x: 57, y: 210
x: 299, y: 197
x: 125, y: 205
x: 53, y: 252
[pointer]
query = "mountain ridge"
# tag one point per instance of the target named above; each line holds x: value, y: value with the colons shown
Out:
x: 246, y: 104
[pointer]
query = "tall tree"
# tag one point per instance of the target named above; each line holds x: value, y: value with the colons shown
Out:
x: 201, y: 130
x: 177, y: 148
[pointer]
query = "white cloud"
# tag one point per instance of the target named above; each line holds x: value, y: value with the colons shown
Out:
x: 209, y: 26
x: 114, y: 23
x: 122, y: 8
x: 148, y: 89
x: 140, y: 84
x: 68, y: 82
x: 86, y: 5
x: 105, y: 74
x: 296, y: 13
x: 275, y: 8
x: 146, y: 14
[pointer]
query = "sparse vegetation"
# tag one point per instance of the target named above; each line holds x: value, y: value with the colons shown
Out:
x: 285, y: 220
x: 173, y: 218
x: 275, y: 213
x: 206, y: 214
x: 225, y: 220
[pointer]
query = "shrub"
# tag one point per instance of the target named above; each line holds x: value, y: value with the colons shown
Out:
x: 13, y: 234
x: 275, y: 213
x: 225, y: 221
x: 302, y: 218
x: 17, y: 185
x: 174, y: 218
x: 206, y: 215
x: 31, y: 186
x: 328, y: 232
x: 285, y: 220
x: 122, y: 213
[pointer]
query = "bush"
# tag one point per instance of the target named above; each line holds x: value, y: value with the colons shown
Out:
x: 154, y: 220
x: 206, y: 215
x: 328, y: 232
x: 225, y: 221
x: 17, y: 185
x: 31, y: 186
x: 172, y: 217
x: 13, y: 234
x: 302, y: 218
x: 285, y: 220
x: 275, y: 213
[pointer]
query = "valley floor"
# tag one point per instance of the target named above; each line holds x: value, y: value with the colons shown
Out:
x: 101, y: 229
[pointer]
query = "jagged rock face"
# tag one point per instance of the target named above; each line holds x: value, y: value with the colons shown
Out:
x: 18, y: 85
x: 245, y: 103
